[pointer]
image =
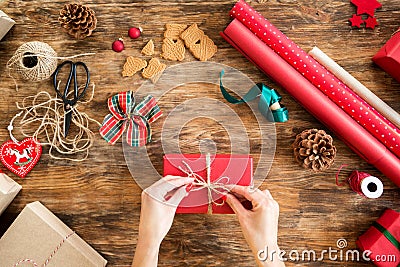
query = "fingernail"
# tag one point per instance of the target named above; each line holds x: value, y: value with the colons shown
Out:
x: 189, y: 187
x: 224, y: 197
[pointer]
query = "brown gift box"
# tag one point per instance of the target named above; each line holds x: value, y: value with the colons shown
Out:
x: 6, y: 24
x: 37, y: 236
x: 8, y: 190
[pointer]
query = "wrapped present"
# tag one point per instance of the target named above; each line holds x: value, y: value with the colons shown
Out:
x: 388, y: 57
x: 382, y: 239
x: 6, y: 24
x: 38, y: 238
x: 8, y: 190
x: 212, y: 174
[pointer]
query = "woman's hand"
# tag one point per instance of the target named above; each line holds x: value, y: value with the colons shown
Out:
x: 259, y: 225
x: 159, y: 203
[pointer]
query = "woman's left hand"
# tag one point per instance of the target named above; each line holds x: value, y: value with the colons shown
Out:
x: 159, y: 203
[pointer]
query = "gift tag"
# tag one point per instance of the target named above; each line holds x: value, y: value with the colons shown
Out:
x: 20, y: 157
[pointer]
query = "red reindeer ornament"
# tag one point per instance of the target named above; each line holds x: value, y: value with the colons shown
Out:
x: 20, y: 157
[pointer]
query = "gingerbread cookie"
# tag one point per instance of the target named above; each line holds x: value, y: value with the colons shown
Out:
x: 201, y: 46
x: 174, y: 31
x: 205, y: 50
x: 154, y: 70
x: 173, y: 50
x: 148, y: 49
x: 191, y: 35
x: 133, y: 65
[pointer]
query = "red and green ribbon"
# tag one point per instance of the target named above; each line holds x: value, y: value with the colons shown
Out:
x: 135, y: 119
x: 268, y: 97
x: 387, y: 234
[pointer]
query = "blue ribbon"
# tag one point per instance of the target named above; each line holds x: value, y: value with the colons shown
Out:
x: 268, y: 97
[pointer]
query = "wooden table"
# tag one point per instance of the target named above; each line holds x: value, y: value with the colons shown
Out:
x: 100, y: 200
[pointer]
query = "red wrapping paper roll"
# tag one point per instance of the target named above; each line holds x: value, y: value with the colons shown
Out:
x: 354, y: 135
x: 337, y: 91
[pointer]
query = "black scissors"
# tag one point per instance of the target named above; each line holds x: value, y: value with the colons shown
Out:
x: 69, y: 103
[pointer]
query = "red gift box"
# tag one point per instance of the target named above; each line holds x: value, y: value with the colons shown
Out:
x: 223, y: 170
x: 382, y: 239
x: 388, y: 58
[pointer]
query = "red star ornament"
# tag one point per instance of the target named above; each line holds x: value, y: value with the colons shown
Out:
x: 366, y: 6
x: 356, y: 21
x: 371, y: 22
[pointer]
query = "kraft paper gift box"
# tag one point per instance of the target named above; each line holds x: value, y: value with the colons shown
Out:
x: 382, y: 239
x: 37, y: 237
x: 6, y: 24
x: 224, y: 169
x: 388, y: 57
x: 8, y: 190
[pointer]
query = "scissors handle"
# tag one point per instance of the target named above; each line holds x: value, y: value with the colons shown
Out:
x: 76, y: 88
x: 72, y: 75
x: 55, y: 82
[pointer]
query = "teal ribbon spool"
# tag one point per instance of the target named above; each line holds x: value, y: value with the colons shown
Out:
x: 268, y: 97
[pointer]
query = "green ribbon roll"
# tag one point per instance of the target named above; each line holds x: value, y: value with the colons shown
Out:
x: 387, y: 234
x: 268, y: 97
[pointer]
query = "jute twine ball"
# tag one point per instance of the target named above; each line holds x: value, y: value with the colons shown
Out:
x: 34, y: 61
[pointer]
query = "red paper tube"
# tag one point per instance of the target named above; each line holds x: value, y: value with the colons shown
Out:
x: 354, y: 135
x: 325, y: 81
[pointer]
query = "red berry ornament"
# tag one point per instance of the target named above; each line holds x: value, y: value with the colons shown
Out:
x: 135, y: 33
x: 118, y: 45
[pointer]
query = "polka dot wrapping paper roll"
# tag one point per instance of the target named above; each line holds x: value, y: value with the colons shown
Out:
x: 313, y: 100
x: 381, y: 128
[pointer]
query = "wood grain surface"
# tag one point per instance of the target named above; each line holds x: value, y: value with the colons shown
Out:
x: 99, y: 199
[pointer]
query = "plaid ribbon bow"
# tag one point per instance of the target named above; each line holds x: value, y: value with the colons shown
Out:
x: 137, y: 119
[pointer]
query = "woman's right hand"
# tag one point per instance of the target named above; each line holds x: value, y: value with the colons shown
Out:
x: 260, y: 224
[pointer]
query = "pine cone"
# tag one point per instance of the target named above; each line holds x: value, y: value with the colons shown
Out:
x: 77, y: 20
x: 314, y: 149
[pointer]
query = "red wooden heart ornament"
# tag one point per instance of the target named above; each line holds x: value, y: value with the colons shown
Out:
x: 21, y: 157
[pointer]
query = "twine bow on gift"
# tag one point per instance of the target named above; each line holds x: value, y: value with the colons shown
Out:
x: 269, y: 105
x: 135, y: 119
x: 200, y: 183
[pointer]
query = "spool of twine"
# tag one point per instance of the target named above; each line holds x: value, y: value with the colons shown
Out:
x: 34, y: 61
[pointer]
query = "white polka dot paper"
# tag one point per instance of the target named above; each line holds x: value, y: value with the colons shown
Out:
x: 313, y: 100
x: 387, y: 133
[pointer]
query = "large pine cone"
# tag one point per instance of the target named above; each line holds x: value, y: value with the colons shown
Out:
x: 78, y: 20
x: 314, y: 149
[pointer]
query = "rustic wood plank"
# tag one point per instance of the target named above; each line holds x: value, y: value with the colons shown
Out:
x: 99, y: 199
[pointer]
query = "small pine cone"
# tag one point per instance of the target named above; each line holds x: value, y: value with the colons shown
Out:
x: 314, y: 149
x: 77, y: 20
